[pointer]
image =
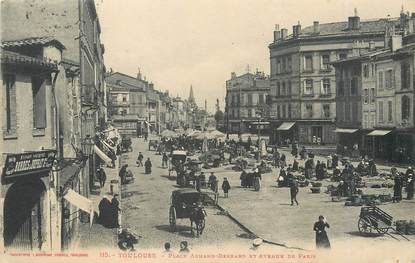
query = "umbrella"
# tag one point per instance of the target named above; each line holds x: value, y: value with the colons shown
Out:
x: 179, y: 130
x: 167, y: 133
x: 194, y: 134
x: 217, y: 134
x: 189, y: 132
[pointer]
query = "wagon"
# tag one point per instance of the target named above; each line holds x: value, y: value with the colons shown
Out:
x: 153, y: 145
x: 184, y: 201
x: 373, y: 219
x: 126, y: 144
x: 175, y: 158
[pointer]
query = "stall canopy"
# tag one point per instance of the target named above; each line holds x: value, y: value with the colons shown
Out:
x: 285, y: 126
x: 340, y: 130
x: 102, y: 155
x: 379, y: 133
x: 81, y: 202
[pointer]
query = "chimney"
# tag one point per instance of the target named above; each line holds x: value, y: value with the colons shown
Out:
x: 396, y: 42
x: 233, y: 75
x: 284, y: 33
x: 316, y: 27
x: 139, y: 74
x: 372, y: 45
x: 277, y: 33
x: 296, y: 30
x: 354, y: 21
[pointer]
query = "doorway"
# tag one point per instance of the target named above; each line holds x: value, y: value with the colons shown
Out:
x: 23, y: 221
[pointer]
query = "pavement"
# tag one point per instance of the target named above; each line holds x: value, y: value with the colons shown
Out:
x: 98, y: 236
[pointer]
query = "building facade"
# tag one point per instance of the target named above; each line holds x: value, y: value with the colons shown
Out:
x: 303, y: 81
x: 246, y: 99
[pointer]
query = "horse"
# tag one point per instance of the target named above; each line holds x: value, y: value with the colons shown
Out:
x: 197, y: 216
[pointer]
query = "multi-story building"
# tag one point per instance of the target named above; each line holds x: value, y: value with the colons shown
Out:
x: 375, y: 96
x: 79, y: 86
x: 28, y: 136
x: 179, y: 113
x: 303, y: 81
x: 246, y: 100
x: 127, y: 102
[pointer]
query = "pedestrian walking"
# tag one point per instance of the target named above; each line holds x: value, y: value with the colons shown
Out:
x: 140, y: 159
x: 164, y: 160
x: 322, y: 240
x: 123, y: 173
x: 102, y: 176
x: 397, y: 188
x: 410, y: 187
x: 104, y: 207
x: 148, y: 166
x: 226, y: 187
x: 294, y: 191
x: 212, y: 181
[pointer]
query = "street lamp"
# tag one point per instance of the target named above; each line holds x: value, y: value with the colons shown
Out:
x: 259, y: 115
x: 87, y: 147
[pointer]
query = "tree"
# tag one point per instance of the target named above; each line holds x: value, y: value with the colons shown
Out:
x: 219, y: 116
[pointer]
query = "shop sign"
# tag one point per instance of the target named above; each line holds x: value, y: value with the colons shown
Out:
x: 22, y: 164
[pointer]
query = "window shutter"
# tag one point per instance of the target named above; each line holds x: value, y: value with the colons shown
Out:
x: 39, y: 103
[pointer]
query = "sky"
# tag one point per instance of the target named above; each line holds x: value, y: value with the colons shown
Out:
x: 178, y: 43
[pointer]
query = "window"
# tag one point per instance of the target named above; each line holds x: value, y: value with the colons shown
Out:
x: 347, y: 111
x: 250, y: 100
x: 405, y: 75
x: 353, y: 86
x: 273, y: 66
x: 283, y: 92
x: 278, y: 89
x: 39, y: 103
x: 406, y: 108
x: 10, y: 100
x: 380, y: 80
x: 366, y: 70
x: 372, y: 120
x: 309, y: 110
x: 325, y: 87
x: 390, y: 111
x: 289, y: 64
x: 278, y: 111
x: 124, y: 98
x: 308, y: 87
x: 249, y: 113
x: 289, y: 111
x: 325, y: 62
x: 365, y: 121
x: 372, y: 95
x: 308, y: 63
x: 340, y: 88
x: 366, y: 96
x: 284, y: 111
x: 389, y: 79
x: 355, y: 107
x: 326, y: 111
x: 289, y: 88
x: 380, y: 111
x: 284, y: 64
x: 261, y: 99
x: 278, y: 66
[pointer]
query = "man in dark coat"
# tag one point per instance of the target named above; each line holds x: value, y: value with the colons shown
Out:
x: 105, y: 212
x: 294, y: 191
x: 397, y: 188
x: 102, y: 177
x: 212, y: 182
x: 140, y: 159
x: 123, y: 173
x: 148, y: 166
x: 322, y: 240
x: 225, y: 187
x: 164, y: 160
x: 115, y: 205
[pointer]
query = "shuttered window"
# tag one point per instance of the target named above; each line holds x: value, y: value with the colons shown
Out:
x: 9, y: 87
x: 39, y: 103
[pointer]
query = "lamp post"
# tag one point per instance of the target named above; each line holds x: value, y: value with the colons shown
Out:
x: 87, y: 149
x: 259, y: 115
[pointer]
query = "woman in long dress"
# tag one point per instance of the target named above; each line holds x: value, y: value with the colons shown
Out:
x: 322, y: 240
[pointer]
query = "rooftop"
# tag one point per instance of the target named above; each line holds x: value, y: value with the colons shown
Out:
x: 10, y: 57
x: 33, y: 41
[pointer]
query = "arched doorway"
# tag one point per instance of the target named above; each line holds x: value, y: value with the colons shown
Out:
x: 23, y: 220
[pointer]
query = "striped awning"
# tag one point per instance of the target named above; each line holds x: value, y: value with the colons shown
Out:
x: 340, y: 130
x: 102, y: 155
x: 285, y: 126
x: 379, y: 133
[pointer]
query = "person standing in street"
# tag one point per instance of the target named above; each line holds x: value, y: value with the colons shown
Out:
x: 102, y: 176
x: 115, y: 204
x: 225, y: 187
x: 164, y: 160
x: 212, y: 181
x: 140, y: 159
x: 294, y: 191
x: 410, y: 187
x: 122, y: 173
x: 322, y: 240
x: 397, y: 188
x: 148, y: 166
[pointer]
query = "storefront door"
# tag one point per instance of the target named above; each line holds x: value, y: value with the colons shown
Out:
x: 23, y: 216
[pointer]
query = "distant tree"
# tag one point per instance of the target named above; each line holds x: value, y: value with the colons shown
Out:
x: 219, y: 116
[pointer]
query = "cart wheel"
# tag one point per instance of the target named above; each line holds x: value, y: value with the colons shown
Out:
x: 172, y: 218
x: 365, y: 226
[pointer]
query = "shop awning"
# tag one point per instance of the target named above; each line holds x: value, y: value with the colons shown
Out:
x: 81, y: 202
x: 285, y: 126
x: 340, y: 130
x: 102, y: 155
x: 379, y: 133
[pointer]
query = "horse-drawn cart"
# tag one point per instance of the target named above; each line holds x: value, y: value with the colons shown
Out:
x: 372, y: 219
x: 189, y: 203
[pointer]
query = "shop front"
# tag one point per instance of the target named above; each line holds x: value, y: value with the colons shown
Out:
x: 379, y: 144
x: 348, y: 142
x: 25, y: 201
x: 286, y: 133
